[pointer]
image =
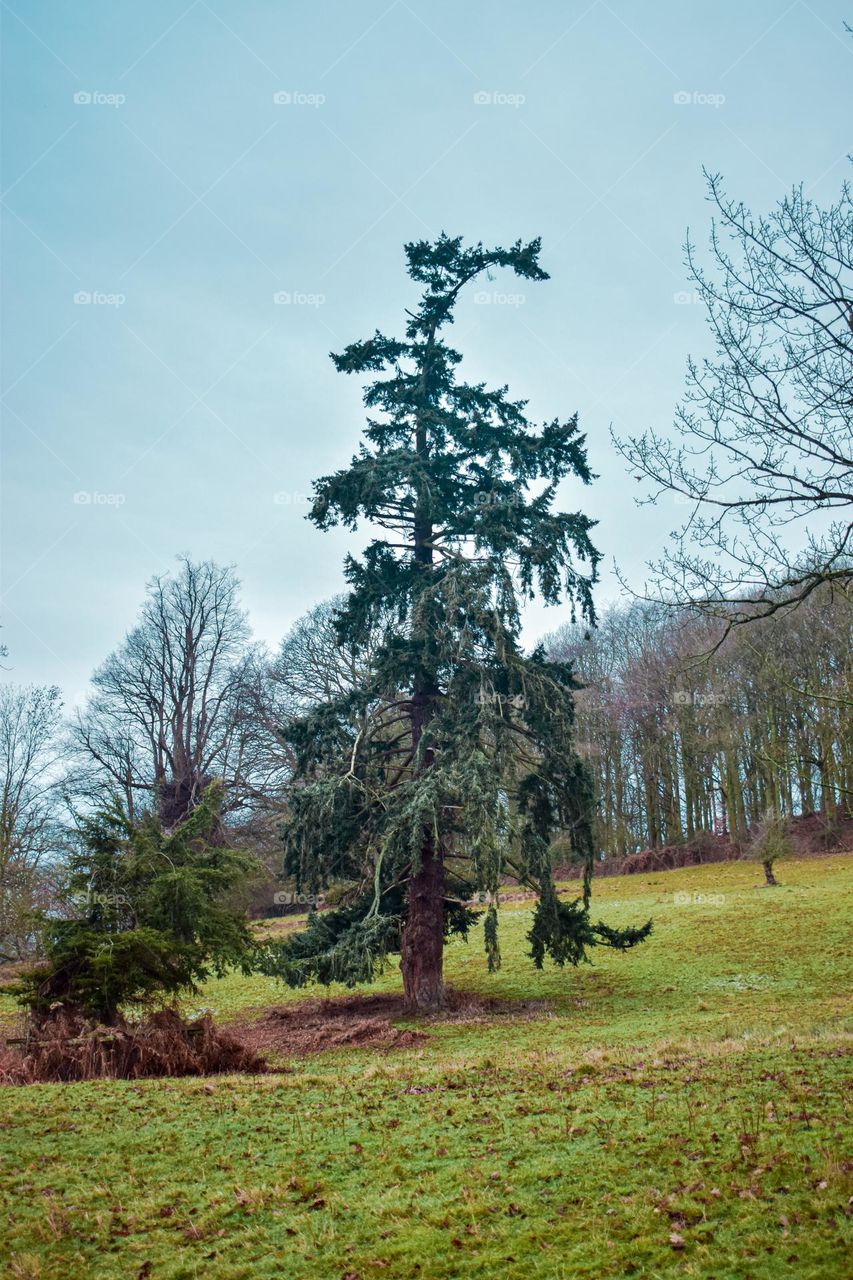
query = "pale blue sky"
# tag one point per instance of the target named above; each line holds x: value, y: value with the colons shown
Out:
x: 182, y: 401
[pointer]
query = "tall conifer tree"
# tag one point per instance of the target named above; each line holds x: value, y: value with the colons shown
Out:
x: 452, y: 764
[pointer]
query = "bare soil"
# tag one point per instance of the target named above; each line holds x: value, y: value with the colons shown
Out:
x: 363, y: 1022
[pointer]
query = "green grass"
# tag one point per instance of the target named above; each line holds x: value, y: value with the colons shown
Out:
x: 676, y: 1111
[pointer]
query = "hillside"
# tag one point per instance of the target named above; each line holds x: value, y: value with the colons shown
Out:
x: 676, y: 1111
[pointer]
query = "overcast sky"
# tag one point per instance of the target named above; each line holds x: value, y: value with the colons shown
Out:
x: 170, y: 171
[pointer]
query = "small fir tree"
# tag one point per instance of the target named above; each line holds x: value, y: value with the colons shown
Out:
x: 153, y: 916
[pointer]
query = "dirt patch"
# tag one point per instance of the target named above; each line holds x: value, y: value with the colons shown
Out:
x: 365, y: 1022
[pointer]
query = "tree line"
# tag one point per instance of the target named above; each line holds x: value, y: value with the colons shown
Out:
x: 686, y: 729
x: 691, y: 728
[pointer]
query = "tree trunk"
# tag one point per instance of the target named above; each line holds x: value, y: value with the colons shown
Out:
x: 768, y: 873
x: 175, y: 801
x: 422, y: 943
x: 422, y: 949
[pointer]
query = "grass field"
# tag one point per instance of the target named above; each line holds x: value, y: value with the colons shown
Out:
x: 676, y: 1111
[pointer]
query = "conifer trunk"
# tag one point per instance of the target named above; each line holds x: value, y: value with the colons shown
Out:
x: 423, y: 936
x: 422, y: 949
x: 422, y: 944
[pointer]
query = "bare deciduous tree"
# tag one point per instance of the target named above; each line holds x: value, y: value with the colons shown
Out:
x: 765, y: 455
x: 313, y: 665
x: 175, y: 705
x: 29, y: 720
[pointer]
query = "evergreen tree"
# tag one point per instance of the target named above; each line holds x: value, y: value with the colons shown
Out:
x: 154, y: 916
x: 451, y: 763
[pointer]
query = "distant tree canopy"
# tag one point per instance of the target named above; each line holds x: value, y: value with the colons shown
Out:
x: 763, y: 457
x: 313, y: 665
x: 679, y: 745
x: 449, y: 761
x: 30, y: 830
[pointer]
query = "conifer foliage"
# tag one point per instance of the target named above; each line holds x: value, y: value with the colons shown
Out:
x: 451, y: 764
x: 152, y: 916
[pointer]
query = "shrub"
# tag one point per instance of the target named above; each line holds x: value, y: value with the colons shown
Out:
x: 769, y: 843
x: 66, y: 1047
x: 153, y: 917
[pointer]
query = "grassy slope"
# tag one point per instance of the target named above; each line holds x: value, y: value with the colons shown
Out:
x: 691, y: 1089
